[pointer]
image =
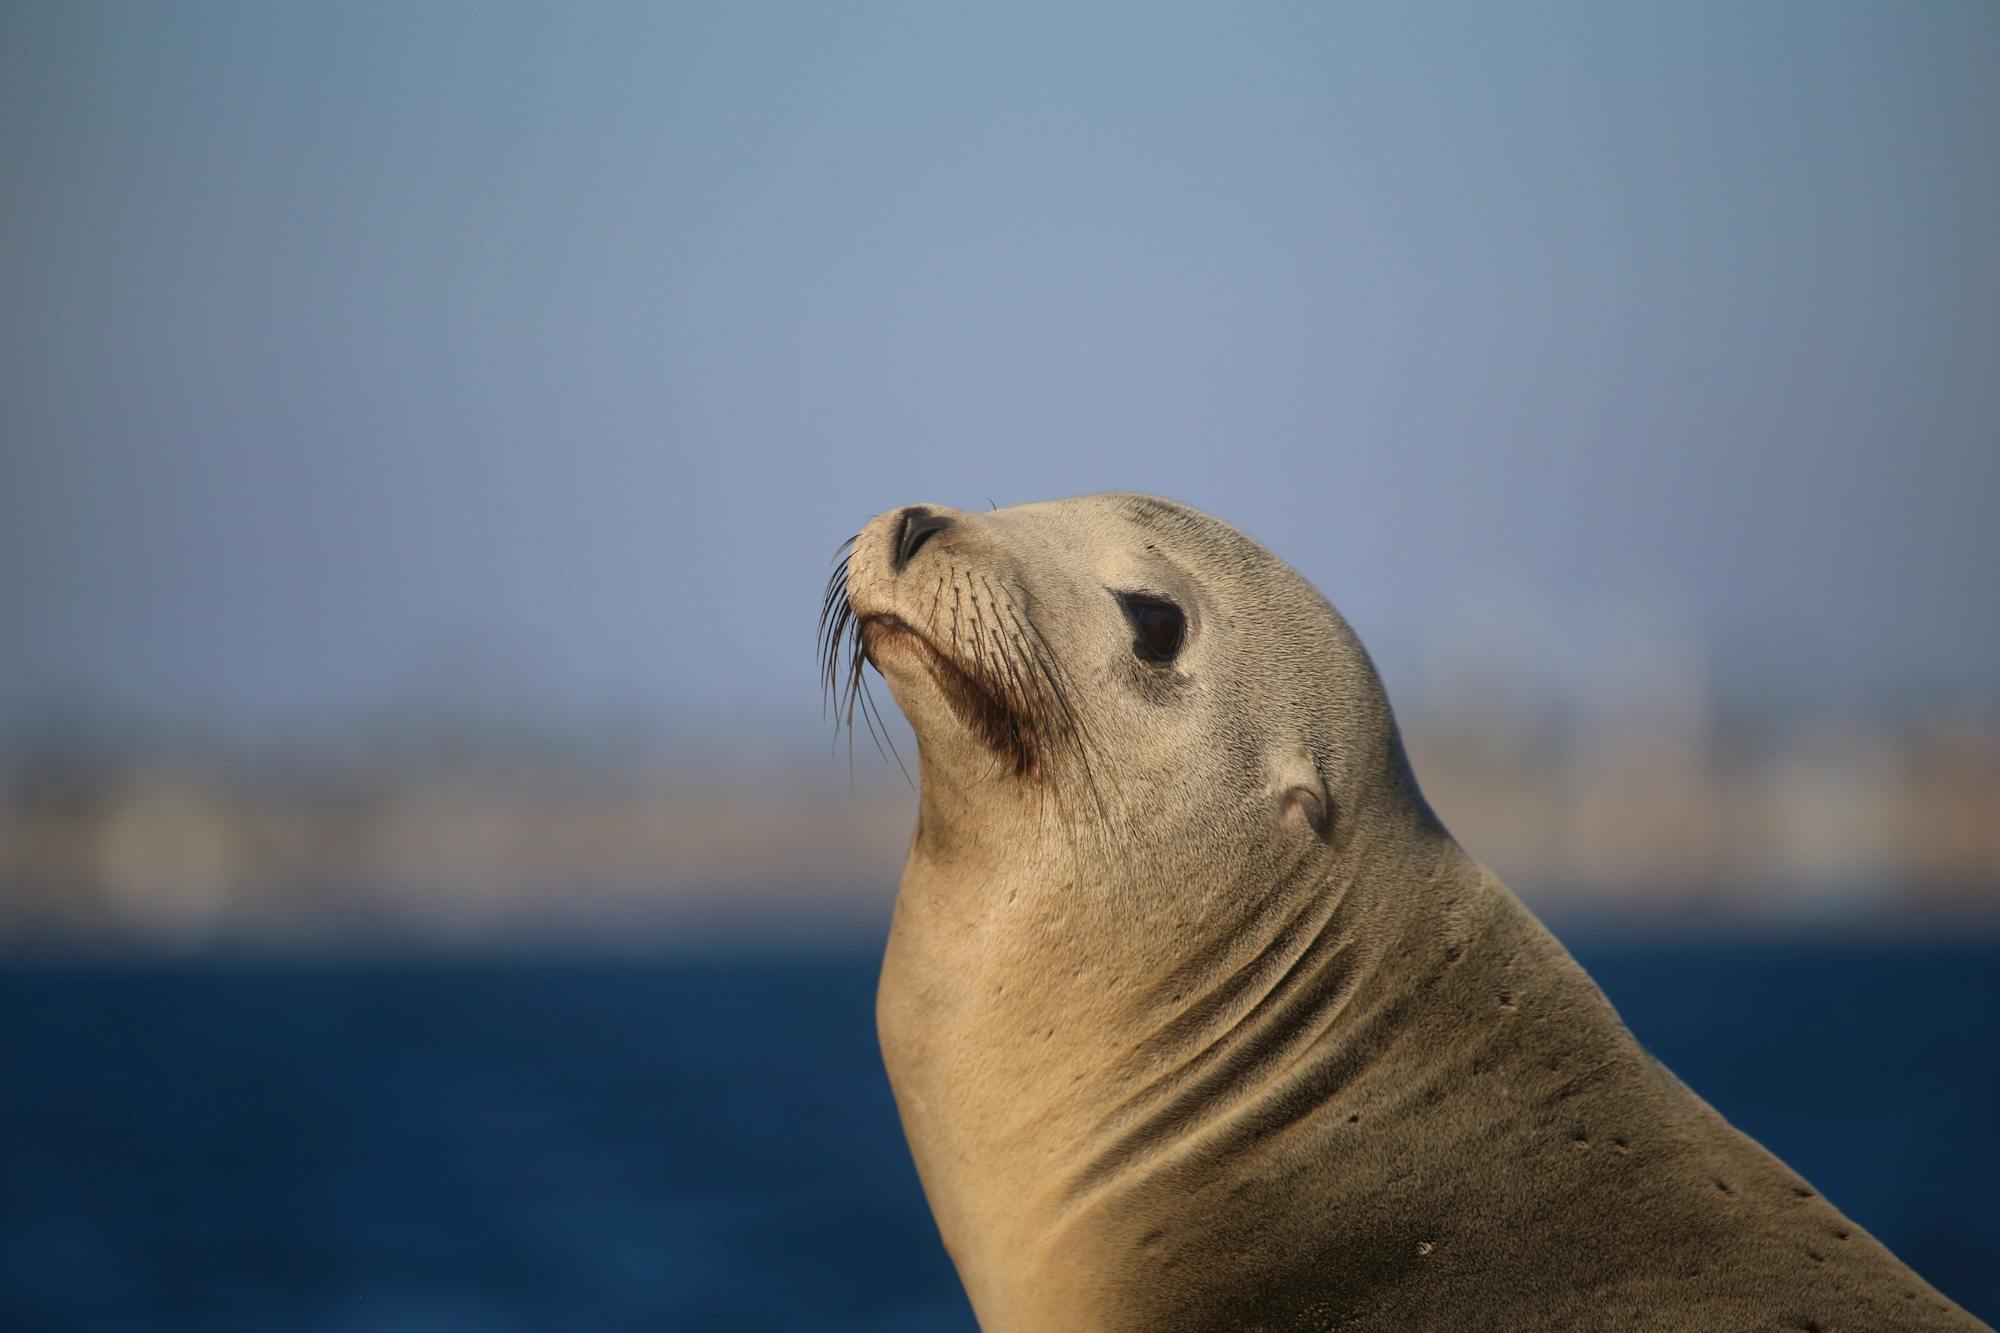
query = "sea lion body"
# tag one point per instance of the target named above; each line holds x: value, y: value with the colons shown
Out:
x: 1197, y: 1017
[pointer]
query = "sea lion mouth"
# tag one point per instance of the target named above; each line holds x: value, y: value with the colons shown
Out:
x: 982, y: 705
x: 997, y: 671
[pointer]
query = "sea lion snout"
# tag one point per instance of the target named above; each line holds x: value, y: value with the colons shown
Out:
x: 895, y: 543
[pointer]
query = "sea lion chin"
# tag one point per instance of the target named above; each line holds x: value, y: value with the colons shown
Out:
x: 1198, y: 1018
x: 986, y: 707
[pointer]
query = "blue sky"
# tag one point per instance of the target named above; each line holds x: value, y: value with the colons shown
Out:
x: 360, y: 352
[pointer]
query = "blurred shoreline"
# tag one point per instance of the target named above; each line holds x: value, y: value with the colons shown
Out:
x: 466, y: 838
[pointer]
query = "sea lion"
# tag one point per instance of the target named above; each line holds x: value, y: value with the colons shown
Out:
x: 1196, y: 1016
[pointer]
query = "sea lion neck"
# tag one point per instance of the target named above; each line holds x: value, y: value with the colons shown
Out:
x: 1177, y: 1003
x: 1242, y: 1008
x: 1136, y: 1048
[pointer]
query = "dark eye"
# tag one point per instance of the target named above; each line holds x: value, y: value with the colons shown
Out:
x: 1159, y: 626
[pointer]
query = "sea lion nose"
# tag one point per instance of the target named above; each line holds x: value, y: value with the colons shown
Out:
x: 919, y: 525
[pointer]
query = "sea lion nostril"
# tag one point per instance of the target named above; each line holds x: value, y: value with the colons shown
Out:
x: 919, y: 526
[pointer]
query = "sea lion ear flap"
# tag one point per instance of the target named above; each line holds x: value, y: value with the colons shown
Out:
x: 1301, y: 789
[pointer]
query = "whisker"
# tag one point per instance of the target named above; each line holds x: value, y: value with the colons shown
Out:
x: 1086, y: 749
x: 1030, y: 716
x: 869, y: 705
x: 837, y: 644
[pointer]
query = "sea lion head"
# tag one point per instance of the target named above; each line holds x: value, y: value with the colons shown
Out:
x: 1116, y: 678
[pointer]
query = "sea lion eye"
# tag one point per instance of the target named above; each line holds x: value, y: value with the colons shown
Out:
x: 1159, y: 626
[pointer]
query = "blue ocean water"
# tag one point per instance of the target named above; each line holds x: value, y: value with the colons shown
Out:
x: 708, y: 1143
